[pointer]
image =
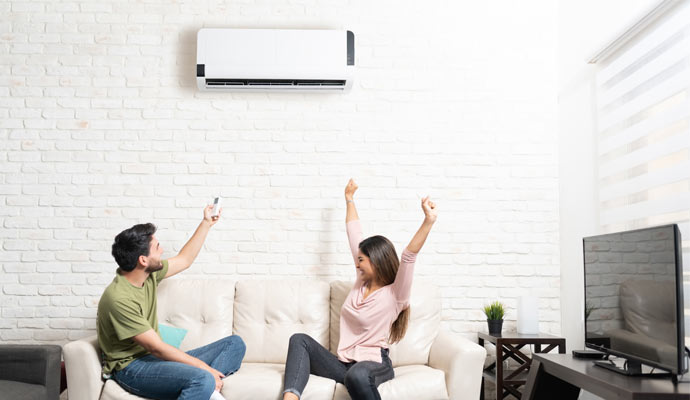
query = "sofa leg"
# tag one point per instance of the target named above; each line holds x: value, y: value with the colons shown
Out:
x: 63, y: 377
x: 481, y: 390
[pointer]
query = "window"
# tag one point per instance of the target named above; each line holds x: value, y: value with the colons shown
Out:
x: 643, y: 132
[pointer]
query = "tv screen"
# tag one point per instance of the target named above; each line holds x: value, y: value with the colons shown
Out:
x: 634, y: 296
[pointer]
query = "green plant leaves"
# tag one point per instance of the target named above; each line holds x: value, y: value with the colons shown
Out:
x: 494, y: 311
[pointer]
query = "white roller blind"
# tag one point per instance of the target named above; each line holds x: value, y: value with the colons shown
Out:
x: 643, y: 132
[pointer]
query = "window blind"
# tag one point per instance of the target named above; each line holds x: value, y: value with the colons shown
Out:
x: 643, y: 132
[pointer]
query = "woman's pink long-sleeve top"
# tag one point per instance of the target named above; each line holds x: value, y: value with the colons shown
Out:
x: 365, y: 324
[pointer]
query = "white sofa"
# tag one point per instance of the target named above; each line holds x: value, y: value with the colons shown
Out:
x: 429, y: 363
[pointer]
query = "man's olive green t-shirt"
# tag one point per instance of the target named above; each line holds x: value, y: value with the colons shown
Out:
x: 125, y: 311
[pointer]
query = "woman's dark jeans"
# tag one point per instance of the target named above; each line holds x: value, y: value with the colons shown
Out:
x: 306, y: 356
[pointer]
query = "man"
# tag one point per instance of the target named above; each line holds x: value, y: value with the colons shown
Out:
x: 133, y: 352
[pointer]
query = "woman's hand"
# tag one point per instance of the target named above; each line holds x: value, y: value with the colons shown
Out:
x: 430, y: 211
x: 350, y: 189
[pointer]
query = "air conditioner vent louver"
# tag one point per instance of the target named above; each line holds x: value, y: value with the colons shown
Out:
x: 274, y: 59
x: 251, y: 83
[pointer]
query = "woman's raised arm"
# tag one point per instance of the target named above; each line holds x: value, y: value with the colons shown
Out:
x: 430, y: 214
x: 352, y: 225
x: 350, y: 190
x: 403, y: 279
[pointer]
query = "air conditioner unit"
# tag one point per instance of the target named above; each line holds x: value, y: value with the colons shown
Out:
x: 274, y: 60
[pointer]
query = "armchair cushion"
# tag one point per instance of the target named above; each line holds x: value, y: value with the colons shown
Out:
x: 24, y: 391
x: 30, y: 371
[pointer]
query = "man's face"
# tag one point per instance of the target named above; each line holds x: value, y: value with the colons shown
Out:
x: 152, y: 262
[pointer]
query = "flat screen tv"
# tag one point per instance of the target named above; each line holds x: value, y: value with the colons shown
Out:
x: 634, y: 298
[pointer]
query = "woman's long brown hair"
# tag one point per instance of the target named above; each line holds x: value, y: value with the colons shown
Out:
x: 385, y: 262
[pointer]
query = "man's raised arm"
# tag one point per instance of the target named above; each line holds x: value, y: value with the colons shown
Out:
x: 191, y: 249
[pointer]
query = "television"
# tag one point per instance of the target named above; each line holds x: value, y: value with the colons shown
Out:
x: 634, y: 299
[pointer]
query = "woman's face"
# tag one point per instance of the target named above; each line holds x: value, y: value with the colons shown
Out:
x: 364, y: 268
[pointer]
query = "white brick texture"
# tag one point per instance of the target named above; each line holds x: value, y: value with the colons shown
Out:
x: 102, y: 127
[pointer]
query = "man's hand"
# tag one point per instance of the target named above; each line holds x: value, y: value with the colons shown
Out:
x: 207, y: 215
x: 218, y: 376
x: 350, y: 189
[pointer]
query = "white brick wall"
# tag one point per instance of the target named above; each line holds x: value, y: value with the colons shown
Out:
x: 102, y: 127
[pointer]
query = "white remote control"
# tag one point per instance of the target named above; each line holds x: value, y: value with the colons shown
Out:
x: 216, y: 207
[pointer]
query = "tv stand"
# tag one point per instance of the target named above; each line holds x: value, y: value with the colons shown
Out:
x: 561, y: 376
x: 631, y: 368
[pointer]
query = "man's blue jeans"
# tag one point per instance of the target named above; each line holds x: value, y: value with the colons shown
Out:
x: 157, y: 379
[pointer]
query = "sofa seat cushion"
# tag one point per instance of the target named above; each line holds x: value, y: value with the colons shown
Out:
x: 412, y: 382
x: 21, y: 390
x: 265, y: 381
x: 253, y: 381
x: 113, y: 391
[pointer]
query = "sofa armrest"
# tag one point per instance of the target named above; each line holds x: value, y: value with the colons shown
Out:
x: 83, y: 367
x: 34, y: 363
x: 462, y: 361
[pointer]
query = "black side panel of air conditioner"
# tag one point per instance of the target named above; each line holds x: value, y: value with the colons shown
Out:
x: 350, y: 48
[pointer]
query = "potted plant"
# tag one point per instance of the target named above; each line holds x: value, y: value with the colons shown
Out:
x: 494, y: 317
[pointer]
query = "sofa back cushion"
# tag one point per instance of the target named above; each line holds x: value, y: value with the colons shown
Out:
x: 425, y: 321
x: 267, y: 313
x: 203, y: 307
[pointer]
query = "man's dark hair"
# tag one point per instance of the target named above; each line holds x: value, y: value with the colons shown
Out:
x: 132, y: 243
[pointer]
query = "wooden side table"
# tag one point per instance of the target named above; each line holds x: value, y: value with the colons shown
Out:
x: 508, y: 346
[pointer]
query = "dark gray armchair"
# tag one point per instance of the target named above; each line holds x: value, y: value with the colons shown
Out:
x: 30, y: 372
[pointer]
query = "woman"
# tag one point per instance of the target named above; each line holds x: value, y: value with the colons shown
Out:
x: 375, y: 314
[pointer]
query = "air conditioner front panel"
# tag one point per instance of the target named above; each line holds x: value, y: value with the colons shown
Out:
x: 273, y: 54
x: 222, y: 71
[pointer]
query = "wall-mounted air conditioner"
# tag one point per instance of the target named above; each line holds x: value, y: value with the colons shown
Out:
x: 274, y: 60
